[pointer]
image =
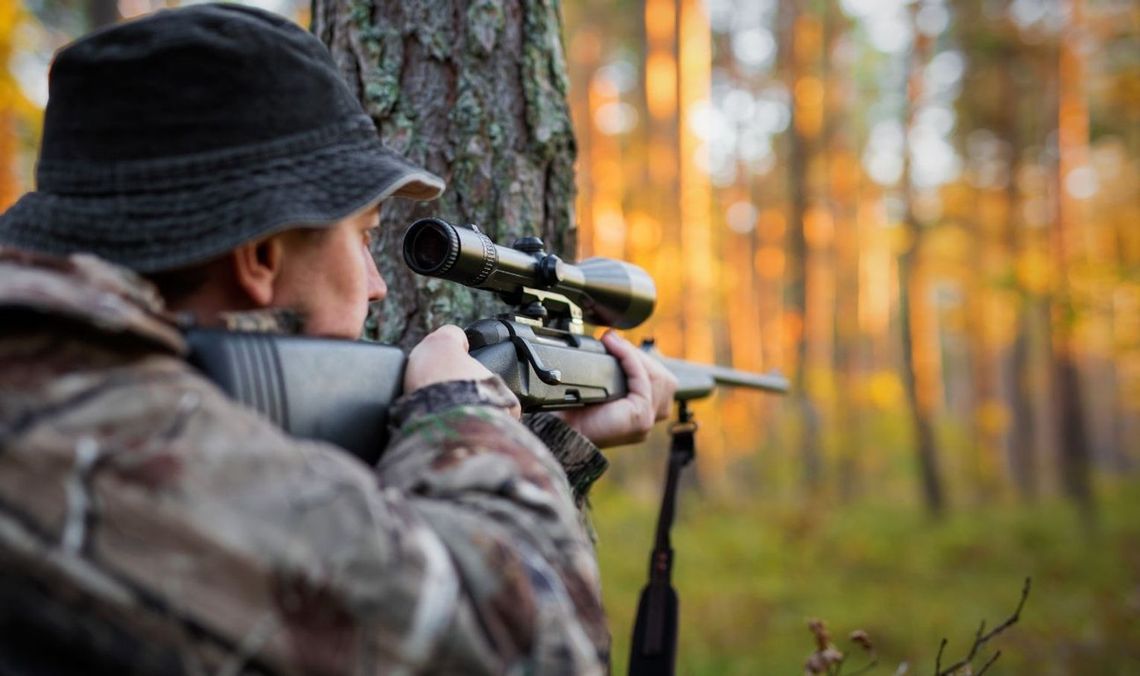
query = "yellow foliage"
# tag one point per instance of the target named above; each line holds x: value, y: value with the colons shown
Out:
x: 809, y: 105
x: 662, y: 164
x: 1126, y: 316
x: 993, y: 210
x: 808, y: 37
x: 661, y: 84
x: 1001, y: 318
x: 950, y: 242
x: 844, y: 175
x: 660, y: 21
x: 993, y: 417
x: 900, y: 239
x: 957, y: 201
x: 1034, y: 271
x: 884, y: 390
x: 13, y: 104
x: 644, y: 230
x: 822, y: 385
x: 11, y: 13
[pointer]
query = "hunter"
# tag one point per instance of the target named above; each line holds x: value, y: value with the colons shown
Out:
x: 209, y: 166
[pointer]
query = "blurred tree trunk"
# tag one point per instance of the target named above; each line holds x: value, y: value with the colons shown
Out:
x: 795, y: 291
x: 919, y: 397
x: 1072, y: 137
x: 1021, y: 441
x: 475, y: 92
x: 102, y: 13
x: 1006, y: 69
x: 842, y: 185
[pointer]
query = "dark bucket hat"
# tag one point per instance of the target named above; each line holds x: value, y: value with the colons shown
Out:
x: 171, y: 139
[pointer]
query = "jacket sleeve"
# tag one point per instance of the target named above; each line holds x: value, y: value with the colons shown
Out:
x: 580, y: 459
x: 462, y: 552
x: 501, y: 504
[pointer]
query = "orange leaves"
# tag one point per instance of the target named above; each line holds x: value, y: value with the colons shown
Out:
x: 819, y: 229
x: 809, y: 105
x: 770, y: 262
x: 661, y: 84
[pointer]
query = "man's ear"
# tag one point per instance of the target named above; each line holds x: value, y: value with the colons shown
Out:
x: 256, y: 268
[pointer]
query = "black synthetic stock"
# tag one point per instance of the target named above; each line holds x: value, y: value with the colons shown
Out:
x: 337, y: 391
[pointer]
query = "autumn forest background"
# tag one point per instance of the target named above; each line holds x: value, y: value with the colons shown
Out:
x: 927, y: 214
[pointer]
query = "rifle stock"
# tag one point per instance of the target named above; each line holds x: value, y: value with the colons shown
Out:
x: 339, y: 391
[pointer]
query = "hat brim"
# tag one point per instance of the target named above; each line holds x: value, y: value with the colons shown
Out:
x: 168, y: 227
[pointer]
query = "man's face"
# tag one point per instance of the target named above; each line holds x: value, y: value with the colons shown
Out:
x: 330, y: 277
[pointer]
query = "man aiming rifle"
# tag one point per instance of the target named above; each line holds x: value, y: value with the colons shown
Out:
x: 207, y: 165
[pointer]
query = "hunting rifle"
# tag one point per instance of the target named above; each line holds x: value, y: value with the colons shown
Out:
x: 339, y: 391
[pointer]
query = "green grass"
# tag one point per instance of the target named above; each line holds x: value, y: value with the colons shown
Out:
x: 751, y: 573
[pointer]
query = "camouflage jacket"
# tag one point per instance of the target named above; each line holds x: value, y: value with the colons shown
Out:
x: 161, y: 528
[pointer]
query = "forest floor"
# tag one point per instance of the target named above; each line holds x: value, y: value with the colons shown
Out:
x: 751, y: 573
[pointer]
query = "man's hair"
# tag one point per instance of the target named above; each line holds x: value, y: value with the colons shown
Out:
x: 180, y: 284
x: 176, y: 286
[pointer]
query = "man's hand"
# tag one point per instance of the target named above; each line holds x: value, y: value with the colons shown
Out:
x: 649, y: 393
x: 442, y: 356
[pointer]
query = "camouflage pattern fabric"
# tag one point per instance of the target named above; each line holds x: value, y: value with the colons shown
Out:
x: 143, y: 511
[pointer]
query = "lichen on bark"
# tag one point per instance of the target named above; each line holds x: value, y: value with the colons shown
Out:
x: 474, y: 91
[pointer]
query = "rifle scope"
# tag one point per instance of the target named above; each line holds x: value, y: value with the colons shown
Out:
x: 609, y: 292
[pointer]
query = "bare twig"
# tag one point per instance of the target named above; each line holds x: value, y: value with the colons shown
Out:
x: 990, y: 662
x: 981, y: 638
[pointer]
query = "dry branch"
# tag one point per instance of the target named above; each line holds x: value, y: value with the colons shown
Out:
x: 980, y: 639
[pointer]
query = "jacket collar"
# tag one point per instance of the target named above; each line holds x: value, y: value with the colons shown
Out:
x: 111, y: 299
x: 88, y: 290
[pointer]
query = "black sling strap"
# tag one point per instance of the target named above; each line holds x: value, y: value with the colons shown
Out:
x: 654, y: 648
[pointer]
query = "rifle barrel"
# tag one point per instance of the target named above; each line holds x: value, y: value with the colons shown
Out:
x: 696, y: 381
x: 769, y: 382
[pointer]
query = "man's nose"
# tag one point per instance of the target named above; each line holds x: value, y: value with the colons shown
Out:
x: 377, y: 287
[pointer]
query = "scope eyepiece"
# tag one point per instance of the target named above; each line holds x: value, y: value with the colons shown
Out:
x: 431, y: 249
x: 436, y: 248
x: 609, y: 292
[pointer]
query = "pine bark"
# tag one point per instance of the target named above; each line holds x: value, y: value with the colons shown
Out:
x: 475, y: 92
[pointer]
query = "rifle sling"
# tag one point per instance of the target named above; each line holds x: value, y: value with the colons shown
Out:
x: 654, y: 649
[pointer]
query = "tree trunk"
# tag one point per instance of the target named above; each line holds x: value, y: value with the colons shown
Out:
x: 1073, y: 136
x: 795, y: 291
x: 842, y: 187
x: 919, y: 396
x: 102, y: 13
x: 475, y: 92
x: 1021, y: 443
